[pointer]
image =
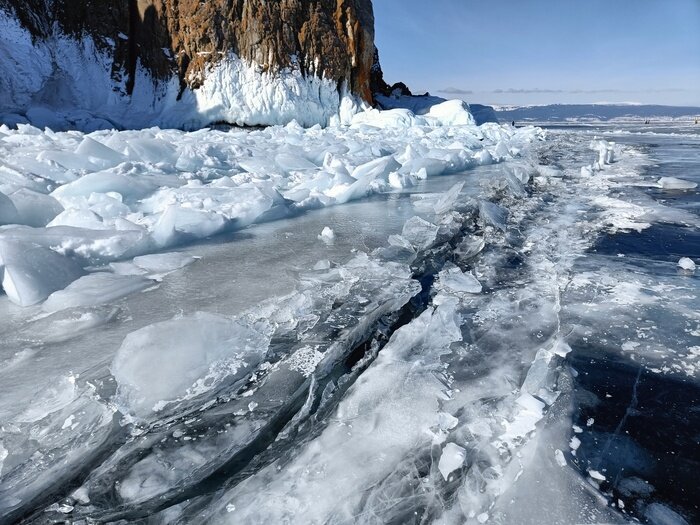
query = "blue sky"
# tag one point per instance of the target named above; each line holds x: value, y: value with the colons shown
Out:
x: 543, y: 51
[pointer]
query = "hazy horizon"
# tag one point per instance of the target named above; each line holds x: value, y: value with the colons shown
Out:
x: 548, y: 52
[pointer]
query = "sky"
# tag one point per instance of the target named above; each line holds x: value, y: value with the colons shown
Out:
x: 543, y: 51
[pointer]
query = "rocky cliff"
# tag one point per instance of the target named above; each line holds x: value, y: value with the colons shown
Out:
x: 186, y: 63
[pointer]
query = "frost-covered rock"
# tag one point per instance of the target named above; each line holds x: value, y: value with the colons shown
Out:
x: 183, y: 63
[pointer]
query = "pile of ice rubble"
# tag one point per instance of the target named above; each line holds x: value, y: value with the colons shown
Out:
x: 72, y: 203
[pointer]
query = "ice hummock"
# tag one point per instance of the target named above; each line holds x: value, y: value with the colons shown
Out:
x: 31, y: 273
x: 88, y: 200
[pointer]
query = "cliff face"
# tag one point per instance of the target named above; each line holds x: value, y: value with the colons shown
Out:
x: 182, y: 53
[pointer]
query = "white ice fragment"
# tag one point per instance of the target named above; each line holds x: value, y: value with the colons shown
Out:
x: 182, y: 358
x: 68, y: 422
x: 81, y: 494
x: 687, y: 264
x: 575, y: 443
x: 3, y: 454
x: 471, y: 246
x: 327, y: 235
x: 673, y: 183
x: 95, y: 289
x: 305, y: 360
x: 589, y: 422
x: 452, y: 458
x: 451, y: 113
x: 559, y: 457
x: 483, y: 517
x: 99, y: 154
x: 493, y: 214
x: 530, y: 403
x: 32, y: 272
x: 455, y: 280
x: 104, y: 182
x: 596, y: 475
x: 660, y: 514
x: 8, y: 211
x: 561, y: 348
x: 323, y: 264
x: 160, y: 264
x: 446, y: 421
x: 33, y: 208
x: 177, y: 223
x: 420, y: 233
x: 629, y: 346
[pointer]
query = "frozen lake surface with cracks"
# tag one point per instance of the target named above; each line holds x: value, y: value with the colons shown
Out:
x: 408, y: 320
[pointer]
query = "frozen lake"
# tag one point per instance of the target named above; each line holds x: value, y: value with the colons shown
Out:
x: 405, y: 323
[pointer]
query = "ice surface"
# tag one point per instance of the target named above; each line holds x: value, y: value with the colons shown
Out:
x: 660, y: 514
x: 95, y: 289
x: 375, y: 384
x: 176, y: 359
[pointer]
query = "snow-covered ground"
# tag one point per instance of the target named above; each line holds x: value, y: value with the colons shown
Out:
x: 362, y: 324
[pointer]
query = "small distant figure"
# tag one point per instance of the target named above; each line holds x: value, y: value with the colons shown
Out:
x: 513, y: 123
x: 696, y: 120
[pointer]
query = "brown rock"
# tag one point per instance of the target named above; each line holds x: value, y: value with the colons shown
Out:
x: 327, y: 38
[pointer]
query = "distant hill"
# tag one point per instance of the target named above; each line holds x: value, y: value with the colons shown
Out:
x: 590, y: 112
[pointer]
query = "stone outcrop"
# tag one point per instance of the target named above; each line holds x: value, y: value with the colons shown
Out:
x: 184, y: 39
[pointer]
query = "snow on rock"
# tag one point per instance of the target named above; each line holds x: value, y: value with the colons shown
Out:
x: 182, y: 358
x: 31, y: 273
